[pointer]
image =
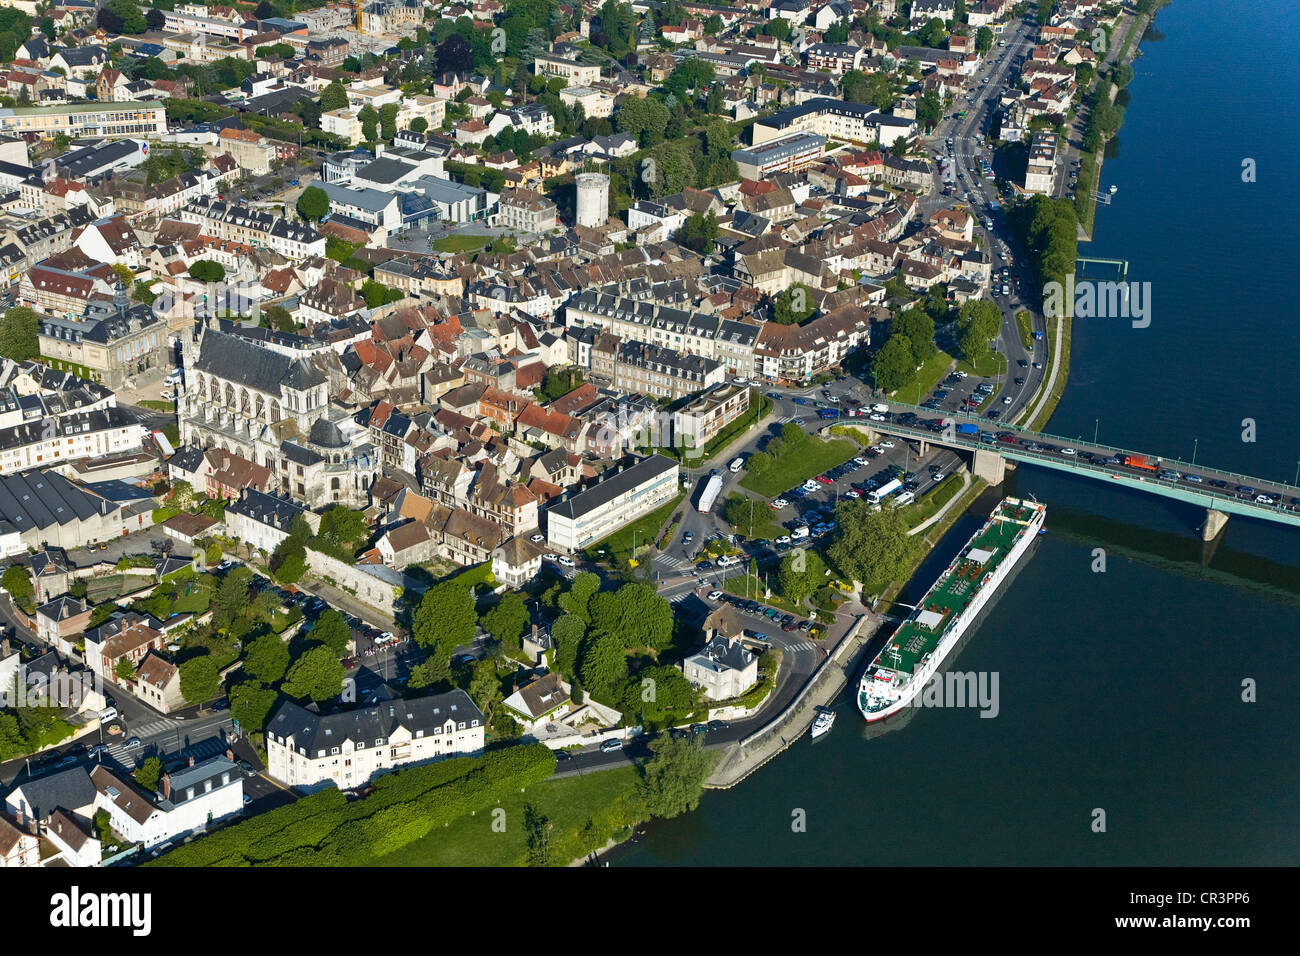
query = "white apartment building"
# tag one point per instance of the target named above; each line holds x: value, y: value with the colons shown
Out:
x: 1041, y: 168
x: 343, y: 123
x: 351, y: 747
x: 595, y: 103
x: 187, y: 801
x: 618, y: 500
x: 577, y: 74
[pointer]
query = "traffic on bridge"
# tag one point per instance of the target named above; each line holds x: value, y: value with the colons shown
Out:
x: 1221, y: 492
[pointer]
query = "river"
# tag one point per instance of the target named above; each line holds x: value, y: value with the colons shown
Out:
x: 1119, y: 691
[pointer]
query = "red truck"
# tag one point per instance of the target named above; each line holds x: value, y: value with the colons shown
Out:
x: 1138, y: 461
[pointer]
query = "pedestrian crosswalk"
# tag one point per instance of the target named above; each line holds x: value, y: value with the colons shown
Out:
x: 677, y: 599
x: 786, y: 420
x: 801, y: 646
x: 152, y: 727
x: 672, y: 563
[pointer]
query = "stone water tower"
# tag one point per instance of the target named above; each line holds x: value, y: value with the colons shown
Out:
x: 593, y: 199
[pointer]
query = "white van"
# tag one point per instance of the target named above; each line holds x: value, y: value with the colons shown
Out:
x: 174, y: 377
x: 799, y: 533
x: 736, y: 465
x: 904, y: 498
x: 107, y: 714
x: 882, y: 409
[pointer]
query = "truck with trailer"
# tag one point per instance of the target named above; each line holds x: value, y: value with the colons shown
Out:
x: 884, y: 491
x: 709, y: 494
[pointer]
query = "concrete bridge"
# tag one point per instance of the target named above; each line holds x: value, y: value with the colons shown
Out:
x: 994, y: 444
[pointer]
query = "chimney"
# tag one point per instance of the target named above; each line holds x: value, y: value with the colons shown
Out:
x: 4, y: 647
x: 191, y: 761
x: 230, y: 755
x: 167, y: 785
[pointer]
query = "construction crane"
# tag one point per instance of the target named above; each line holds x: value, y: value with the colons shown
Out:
x: 358, y: 4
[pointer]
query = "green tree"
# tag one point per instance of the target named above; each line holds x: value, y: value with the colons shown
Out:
x: 200, y: 680
x: 317, y: 674
x: 369, y: 119
x: 699, y: 232
x: 332, y: 631
x: 20, y: 334
x: 894, y: 365
x: 334, y: 97
x: 388, y: 120
x: 871, y: 547
x: 602, y: 665
x: 125, y: 670
x: 18, y: 583
x: 313, y: 203
x: 918, y: 327
x: 800, y: 574
x: 445, y: 614
x: 793, y: 305
x: 983, y: 40
x: 577, y: 599
x: 267, y: 658
x: 289, y: 561
x: 419, y: 124
x: 929, y: 110
x: 673, y: 778
x: 567, y: 634
x: 206, y: 270
x: 232, y: 596
x: 636, y: 613
x: 148, y: 774
x: 251, y: 703
x: 485, y: 687
x: 759, y: 462
x: 978, y: 322
x: 506, y: 621
x: 793, y: 435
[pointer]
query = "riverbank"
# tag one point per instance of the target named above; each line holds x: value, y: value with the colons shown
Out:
x: 746, y: 756
x: 1092, y: 180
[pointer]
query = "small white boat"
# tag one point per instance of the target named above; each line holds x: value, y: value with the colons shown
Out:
x: 823, y: 722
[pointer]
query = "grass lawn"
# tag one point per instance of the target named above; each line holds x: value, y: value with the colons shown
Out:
x: 762, y: 525
x: 1023, y: 324
x: 990, y: 364
x: 461, y: 243
x: 619, y: 544
x: 606, y: 799
x: 932, y: 372
x: 154, y: 405
x: 798, y: 464
x: 933, y: 500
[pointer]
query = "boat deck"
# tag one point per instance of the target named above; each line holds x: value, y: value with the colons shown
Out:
x: 955, y: 590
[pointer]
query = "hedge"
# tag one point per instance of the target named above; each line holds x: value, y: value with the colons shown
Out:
x: 324, y: 829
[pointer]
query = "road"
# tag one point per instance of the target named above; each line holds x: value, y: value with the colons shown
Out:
x: 1092, y: 457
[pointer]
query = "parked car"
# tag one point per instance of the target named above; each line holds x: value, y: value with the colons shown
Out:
x: 609, y: 746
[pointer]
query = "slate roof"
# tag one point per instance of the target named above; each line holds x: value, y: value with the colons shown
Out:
x: 70, y: 789
x: 233, y: 359
x: 314, y: 732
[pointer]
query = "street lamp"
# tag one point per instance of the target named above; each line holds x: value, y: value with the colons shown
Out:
x: 1096, y: 425
x: 1195, y: 441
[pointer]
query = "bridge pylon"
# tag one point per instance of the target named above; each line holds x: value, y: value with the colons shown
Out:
x: 990, y: 466
x: 1215, y: 521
